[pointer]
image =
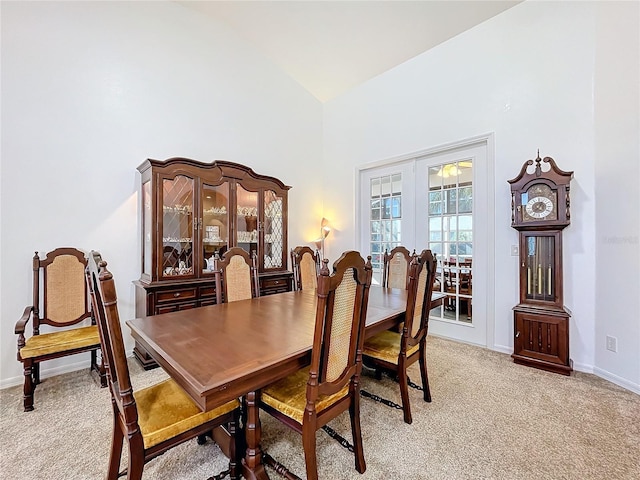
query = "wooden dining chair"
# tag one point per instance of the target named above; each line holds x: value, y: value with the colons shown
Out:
x: 395, y: 352
x: 64, y: 303
x: 465, y: 290
x: 395, y: 268
x: 311, y: 397
x: 156, y: 418
x: 236, y: 276
x: 306, y: 265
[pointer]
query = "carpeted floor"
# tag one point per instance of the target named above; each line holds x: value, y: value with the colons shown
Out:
x: 489, y: 419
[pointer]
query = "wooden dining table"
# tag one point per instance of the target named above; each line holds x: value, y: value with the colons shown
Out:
x: 221, y: 352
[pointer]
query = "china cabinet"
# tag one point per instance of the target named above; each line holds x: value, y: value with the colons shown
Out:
x: 192, y: 211
x: 540, y: 210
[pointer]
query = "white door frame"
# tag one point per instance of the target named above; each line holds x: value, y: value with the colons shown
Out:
x: 483, y: 208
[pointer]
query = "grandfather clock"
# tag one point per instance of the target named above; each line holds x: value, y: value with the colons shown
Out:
x: 540, y: 211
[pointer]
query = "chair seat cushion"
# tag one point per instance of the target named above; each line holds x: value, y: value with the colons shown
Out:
x: 289, y: 395
x: 165, y: 411
x: 386, y: 346
x: 50, y: 343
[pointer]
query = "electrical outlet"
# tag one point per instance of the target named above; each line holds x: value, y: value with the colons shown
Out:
x: 514, y: 250
x: 612, y: 343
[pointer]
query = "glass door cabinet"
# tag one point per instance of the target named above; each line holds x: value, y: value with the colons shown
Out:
x: 193, y: 211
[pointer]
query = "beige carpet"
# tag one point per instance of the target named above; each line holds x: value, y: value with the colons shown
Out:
x: 489, y: 419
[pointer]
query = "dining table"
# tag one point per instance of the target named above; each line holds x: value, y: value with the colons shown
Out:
x: 221, y: 352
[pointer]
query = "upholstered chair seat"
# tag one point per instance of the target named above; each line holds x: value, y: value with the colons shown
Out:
x: 165, y: 411
x: 289, y: 395
x: 386, y: 346
x: 55, y: 342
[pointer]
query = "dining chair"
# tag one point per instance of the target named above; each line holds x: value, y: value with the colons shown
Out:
x: 395, y: 268
x: 306, y: 264
x: 153, y: 419
x: 395, y: 352
x: 236, y: 276
x: 63, y: 302
x: 465, y: 287
x: 311, y: 397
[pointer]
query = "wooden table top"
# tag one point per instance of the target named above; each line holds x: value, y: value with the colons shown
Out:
x: 221, y: 352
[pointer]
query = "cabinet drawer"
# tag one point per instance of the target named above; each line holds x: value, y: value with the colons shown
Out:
x: 274, y: 283
x: 176, y: 295
x: 207, y: 292
x: 174, y: 307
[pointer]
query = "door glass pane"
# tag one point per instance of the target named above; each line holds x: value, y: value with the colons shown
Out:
x: 177, y: 226
x: 451, y: 236
x: 247, y: 220
x: 385, y: 218
x: 273, y: 231
x: 215, y: 222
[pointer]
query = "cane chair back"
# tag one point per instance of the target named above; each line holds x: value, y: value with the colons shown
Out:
x: 153, y: 419
x: 395, y: 273
x: 395, y: 352
x: 311, y: 397
x: 236, y: 276
x: 306, y: 264
x: 60, y: 299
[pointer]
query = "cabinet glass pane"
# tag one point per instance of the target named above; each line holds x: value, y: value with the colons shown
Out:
x: 273, y: 230
x: 147, y: 251
x: 247, y: 219
x: 177, y: 226
x: 215, y: 222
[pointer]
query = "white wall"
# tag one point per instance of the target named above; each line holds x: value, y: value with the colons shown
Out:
x: 92, y: 89
x: 528, y: 76
x: 617, y: 176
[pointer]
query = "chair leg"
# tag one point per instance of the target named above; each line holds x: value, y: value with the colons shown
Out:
x: 116, y: 449
x: 425, y: 378
x: 136, y: 457
x: 36, y: 374
x: 356, y: 434
x: 404, y: 393
x: 29, y: 386
x: 99, y: 369
x: 309, y: 446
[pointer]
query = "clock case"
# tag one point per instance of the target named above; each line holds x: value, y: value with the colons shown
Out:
x: 541, y: 321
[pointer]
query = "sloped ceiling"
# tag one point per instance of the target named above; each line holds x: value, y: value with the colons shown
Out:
x: 332, y: 46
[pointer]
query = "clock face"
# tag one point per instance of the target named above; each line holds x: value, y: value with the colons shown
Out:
x: 539, y: 207
x: 539, y: 203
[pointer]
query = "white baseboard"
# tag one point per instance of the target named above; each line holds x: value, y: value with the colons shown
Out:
x: 621, y: 382
x: 46, y: 373
x: 502, y: 349
x: 51, y: 372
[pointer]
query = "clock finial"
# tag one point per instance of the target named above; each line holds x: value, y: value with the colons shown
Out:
x: 538, y: 168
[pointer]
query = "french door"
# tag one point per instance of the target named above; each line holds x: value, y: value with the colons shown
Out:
x: 438, y: 200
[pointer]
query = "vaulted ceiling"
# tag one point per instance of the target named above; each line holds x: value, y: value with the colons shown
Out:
x: 331, y: 46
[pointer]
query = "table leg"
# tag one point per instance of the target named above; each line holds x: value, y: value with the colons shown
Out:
x: 252, y: 466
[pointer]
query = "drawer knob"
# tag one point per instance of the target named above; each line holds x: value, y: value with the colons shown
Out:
x: 176, y: 295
